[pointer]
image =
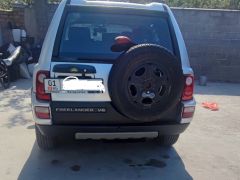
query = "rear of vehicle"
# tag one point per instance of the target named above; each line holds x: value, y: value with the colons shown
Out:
x: 137, y: 98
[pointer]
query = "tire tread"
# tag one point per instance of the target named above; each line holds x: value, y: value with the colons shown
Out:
x: 168, y: 140
x: 44, y: 142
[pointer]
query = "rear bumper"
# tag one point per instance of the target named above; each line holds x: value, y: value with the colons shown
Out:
x: 101, y: 118
x: 63, y: 131
x: 116, y: 131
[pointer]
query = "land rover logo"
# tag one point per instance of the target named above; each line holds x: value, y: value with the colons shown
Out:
x: 73, y: 70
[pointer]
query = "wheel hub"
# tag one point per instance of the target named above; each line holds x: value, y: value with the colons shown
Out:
x: 148, y: 94
x: 148, y: 84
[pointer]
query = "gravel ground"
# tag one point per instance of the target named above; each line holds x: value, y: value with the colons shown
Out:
x: 209, y: 149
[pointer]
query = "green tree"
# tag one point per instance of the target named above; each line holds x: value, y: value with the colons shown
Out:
x: 7, y: 4
x: 223, y: 4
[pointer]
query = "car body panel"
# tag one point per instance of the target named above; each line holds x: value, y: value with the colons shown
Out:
x: 150, y: 6
x: 181, y: 44
x: 70, y: 131
x: 102, y: 69
x: 48, y: 44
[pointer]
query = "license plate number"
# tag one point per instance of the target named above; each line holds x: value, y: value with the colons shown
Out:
x: 52, y: 85
x: 73, y: 86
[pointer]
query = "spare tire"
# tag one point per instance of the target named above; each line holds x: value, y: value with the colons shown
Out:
x: 145, y: 82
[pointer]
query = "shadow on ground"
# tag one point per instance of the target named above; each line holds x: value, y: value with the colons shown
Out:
x: 105, y: 160
x: 17, y: 100
x: 17, y: 97
x: 228, y: 89
x: 20, y: 84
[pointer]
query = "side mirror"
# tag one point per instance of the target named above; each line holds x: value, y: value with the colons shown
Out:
x: 122, y: 43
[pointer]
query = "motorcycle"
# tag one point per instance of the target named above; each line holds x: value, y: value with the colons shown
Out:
x: 4, y: 74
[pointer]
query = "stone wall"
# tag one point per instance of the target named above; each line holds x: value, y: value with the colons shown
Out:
x: 212, y: 36
x: 213, y: 42
x: 16, y: 17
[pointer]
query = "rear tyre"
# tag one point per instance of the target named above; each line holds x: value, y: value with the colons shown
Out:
x: 44, y: 142
x: 5, y: 81
x: 146, y: 82
x: 4, y: 75
x: 168, y: 140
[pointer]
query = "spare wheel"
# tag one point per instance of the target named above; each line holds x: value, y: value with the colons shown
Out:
x: 145, y: 82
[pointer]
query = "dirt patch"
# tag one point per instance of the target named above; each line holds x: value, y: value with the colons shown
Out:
x: 55, y: 162
x: 165, y: 156
x: 150, y: 162
x: 155, y: 163
x: 128, y: 161
x: 75, y: 168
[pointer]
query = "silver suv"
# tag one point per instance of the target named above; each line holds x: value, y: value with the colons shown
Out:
x: 112, y: 70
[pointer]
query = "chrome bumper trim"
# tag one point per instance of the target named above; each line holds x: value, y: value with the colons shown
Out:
x: 122, y: 135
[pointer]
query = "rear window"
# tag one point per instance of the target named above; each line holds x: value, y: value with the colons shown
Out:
x: 91, y: 35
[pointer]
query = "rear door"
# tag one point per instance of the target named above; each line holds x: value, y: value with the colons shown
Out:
x: 102, y: 71
x: 85, y: 38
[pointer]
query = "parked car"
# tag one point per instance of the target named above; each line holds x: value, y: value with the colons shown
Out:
x: 135, y: 69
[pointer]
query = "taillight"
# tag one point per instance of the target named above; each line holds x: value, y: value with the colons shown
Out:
x: 40, y: 92
x: 188, y: 88
x: 42, y: 112
x: 188, y: 112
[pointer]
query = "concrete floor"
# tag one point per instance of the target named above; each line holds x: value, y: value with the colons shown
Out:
x: 209, y: 149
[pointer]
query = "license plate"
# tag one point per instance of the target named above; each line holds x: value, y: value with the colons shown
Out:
x: 52, y: 85
x: 74, y: 85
